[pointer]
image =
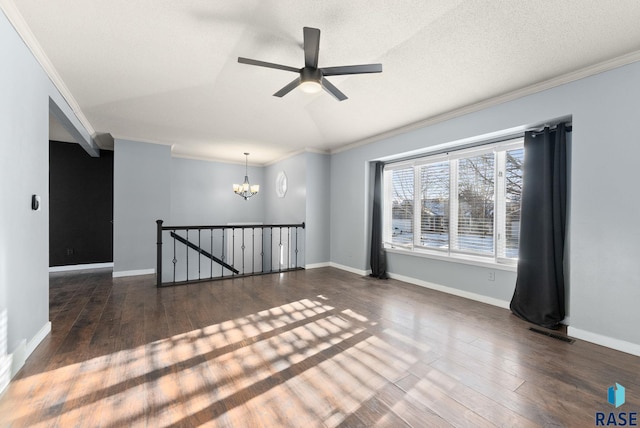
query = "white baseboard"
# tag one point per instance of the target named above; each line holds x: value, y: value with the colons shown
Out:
x: 24, y: 349
x: 133, y: 273
x: 19, y: 356
x: 609, y: 342
x: 5, y: 372
x: 450, y: 290
x: 80, y: 267
x: 349, y: 269
x: 39, y: 337
x: 316, y: 265
x: 598, y: 339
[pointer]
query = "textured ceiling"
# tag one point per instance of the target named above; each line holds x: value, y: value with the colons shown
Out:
x: 166, y: 71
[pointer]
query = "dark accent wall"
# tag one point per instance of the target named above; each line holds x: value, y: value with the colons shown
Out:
x: 80, y: 205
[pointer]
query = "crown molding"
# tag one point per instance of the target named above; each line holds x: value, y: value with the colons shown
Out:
x: 20, y: 25
x: 215, y: 160
x: 285, y: 157
x: 500, y: 99
x: 265, y: 164
x: 296, y: 153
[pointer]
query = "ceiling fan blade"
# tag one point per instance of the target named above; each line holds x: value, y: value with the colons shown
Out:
x: 328, y: 86
x: 267, y: 64
x: 311, y: 46
x: 290, y: 87
x: 352, y: 69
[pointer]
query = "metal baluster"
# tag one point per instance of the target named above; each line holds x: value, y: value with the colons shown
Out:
x: 187, y: 249
x: 262, y: 249
x: 211, y: 260
x: 242, y: 248
x: 222, y: 267
x: 271, y: 250
x: 159, y: 253
x: 199, y: 257
x: 280, y: 255
x: 233, y: 247
x: 175, y: 260
x: 288, y: 247
x: 296, y: 266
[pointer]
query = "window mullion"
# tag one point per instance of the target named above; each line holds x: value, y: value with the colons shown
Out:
x: 501, y: 206
x: 453, y: 205
x: 417, y: 207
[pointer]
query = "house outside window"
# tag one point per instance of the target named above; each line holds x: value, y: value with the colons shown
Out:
x: 463, y: 204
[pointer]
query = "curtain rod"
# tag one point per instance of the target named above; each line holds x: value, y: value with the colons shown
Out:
x: 494, y: 140
x: 536, y: 131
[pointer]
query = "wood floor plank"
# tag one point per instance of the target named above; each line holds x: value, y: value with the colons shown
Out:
x: 374, y: 413
x: 422, y: 393
x: 396, y: 399
x: 321, y: 347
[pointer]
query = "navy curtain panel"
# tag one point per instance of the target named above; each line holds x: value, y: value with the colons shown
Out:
x: 378, y: 257
x: 539, y: 296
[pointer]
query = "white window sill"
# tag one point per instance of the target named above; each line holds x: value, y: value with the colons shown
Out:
x: 454, y: 258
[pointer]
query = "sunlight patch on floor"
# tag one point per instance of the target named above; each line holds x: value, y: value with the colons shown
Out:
x: 296, y: 364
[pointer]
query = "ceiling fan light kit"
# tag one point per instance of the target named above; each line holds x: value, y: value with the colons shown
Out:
x: 312, y: 79
x: 310, y: 87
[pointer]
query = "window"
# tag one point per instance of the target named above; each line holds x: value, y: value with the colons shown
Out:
x: 462, y: 204
x: 434, y: 205
x: 402, y: 206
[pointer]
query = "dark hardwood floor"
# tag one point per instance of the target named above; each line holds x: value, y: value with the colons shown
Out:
x: 320, y: 347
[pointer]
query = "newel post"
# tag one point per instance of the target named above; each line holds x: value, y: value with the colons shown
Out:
x: 159, y: 255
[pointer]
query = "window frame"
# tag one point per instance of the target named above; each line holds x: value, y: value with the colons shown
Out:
x: 497, y: 258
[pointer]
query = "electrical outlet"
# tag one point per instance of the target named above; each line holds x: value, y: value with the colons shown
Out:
x: 492, y: 275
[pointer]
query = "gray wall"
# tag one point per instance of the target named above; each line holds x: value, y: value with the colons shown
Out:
x: 317, y: 208
x: 24, y: 170
x: 201, y: 193
x: 349, y: 208
x: 141, y: 195
x: 603, y: 228
x: 149, y: 185
x: 291, y: 208
x: 307, y: 200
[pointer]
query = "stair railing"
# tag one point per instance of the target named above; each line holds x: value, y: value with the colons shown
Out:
x: 207, y: 253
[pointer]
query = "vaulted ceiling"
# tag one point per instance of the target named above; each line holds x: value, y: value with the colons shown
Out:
x: 166, y: 71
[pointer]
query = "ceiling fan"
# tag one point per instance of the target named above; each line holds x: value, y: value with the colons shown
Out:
x: 312, y: 78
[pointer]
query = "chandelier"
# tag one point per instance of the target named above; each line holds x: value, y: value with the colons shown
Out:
x: 246, y: 190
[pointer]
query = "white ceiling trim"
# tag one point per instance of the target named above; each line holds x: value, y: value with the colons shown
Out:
x: 509, y: 96
x: 19, y: 24
x: 296, y: 153
x: 273, y: 162
x: 228, y: 162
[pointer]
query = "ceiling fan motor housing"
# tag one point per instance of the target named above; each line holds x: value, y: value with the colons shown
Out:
x: 308, y: 74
